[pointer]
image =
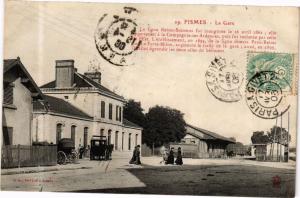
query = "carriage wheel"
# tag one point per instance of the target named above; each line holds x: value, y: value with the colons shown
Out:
x: 61, y: 157
x: 74, y: 157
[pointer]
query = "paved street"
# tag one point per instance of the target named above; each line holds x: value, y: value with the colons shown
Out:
x: 195, y: 177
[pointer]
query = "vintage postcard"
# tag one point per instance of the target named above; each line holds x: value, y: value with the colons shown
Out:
x: 150, y: 98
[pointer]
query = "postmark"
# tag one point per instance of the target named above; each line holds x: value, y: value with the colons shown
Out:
x: 266, y: 94
x: 224, y: 80
x: 115, y: 37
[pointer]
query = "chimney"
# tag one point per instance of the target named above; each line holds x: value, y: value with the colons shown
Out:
x: 95, y: 76
x: 64, y: 73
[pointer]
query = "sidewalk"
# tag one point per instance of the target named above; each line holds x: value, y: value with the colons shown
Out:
x: 82, y: 164
x: 23, y: 170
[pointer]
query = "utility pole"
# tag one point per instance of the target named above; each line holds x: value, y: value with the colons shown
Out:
x: 288, y: 137
x: 280, y: 137
x: 274, y: 140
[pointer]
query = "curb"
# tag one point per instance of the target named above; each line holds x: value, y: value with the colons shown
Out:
x: 39, y: 171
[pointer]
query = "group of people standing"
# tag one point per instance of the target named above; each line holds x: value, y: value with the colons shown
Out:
x: 168, y: 156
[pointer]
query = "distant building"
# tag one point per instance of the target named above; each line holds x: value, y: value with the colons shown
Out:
x: 19, y: 92
x: 79, y: 106
x: 201, y: 143
x: 269, y: 152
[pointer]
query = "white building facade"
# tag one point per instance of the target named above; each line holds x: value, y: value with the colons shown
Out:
x: 79, y: 107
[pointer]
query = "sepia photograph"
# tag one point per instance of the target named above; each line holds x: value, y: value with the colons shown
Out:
x: 141, y: 98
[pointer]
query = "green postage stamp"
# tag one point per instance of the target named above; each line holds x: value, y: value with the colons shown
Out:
x: 270, y: 80
x: 280, y: 63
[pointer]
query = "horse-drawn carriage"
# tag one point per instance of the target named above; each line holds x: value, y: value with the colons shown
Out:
x: 66, y: 151
x: 100, y: 149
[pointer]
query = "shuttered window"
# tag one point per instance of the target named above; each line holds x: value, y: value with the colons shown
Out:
x: 120, y: 114
x: 7, y: 135
x: 117, y: 113
x: 110, y: 111
x: 8, y: 93
x: 85, y: 136
x: 102, y: 109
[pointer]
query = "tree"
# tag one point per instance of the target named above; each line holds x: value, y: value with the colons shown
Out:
x: 259, y: 137
x: 279, y: 135
x: 134, y: 112
x: 163, y: 125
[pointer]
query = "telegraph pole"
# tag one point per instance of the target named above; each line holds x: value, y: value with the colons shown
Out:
x: 280, y: 137
x: 288, y: 137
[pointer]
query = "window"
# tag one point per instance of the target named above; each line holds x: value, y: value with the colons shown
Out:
x: 58, y: 132
x: 109, y: 137
x: 123, y: 140
x: 66, y: 97
x: 102, y: 132
x: 7, y: 135
x: 117, y: 113
x: 102, y: 109
x: 85, y: 136
x: 120, y: 114
x: 129, y: 141
x: 8, y: 93
x: 73, y: 134
x: 110, y: 111
x: 116, y: 140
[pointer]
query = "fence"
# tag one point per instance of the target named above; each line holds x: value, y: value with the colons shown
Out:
x: 13, y: 156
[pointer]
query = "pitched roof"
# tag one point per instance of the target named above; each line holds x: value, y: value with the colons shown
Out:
x: 16, y: 66
x: 99, y: 86
x: 130, y: 124
x: 82, y: 81
x: 208, y: 134
x: 57, y: 105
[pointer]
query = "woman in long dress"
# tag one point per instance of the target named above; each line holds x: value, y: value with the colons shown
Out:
x: 137, y: 155
x: 171, y: 157
x: 178, y: 160
x: 133, y: 159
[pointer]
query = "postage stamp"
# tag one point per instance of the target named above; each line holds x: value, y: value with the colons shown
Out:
x: 224, y: 80
x: 269, y: 80
x: 281, y: 63
x: 115, y: 37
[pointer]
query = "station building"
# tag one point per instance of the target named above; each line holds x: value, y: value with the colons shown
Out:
x: 79, y: 107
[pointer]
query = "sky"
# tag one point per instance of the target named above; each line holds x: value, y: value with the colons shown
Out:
x: 40, y: 33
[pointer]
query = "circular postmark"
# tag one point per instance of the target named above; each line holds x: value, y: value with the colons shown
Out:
x: 115, y: 37
x: 224, y: 81
x: 266, y: 96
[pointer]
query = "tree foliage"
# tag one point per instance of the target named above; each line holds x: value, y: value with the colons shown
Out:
x: 279, y: 135
x: 163, y: 125
x: 276, y: 135
x: 259, y: 137
x: 134, y: 112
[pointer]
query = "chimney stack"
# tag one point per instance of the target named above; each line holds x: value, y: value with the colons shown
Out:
x: 95, y: 76
x: 64, y: 73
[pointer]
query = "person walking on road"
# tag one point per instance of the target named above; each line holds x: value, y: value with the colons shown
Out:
x: 137, y: 155
x: 133, y: 159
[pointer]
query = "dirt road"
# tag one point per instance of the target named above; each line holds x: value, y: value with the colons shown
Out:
x: 196, y: 177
